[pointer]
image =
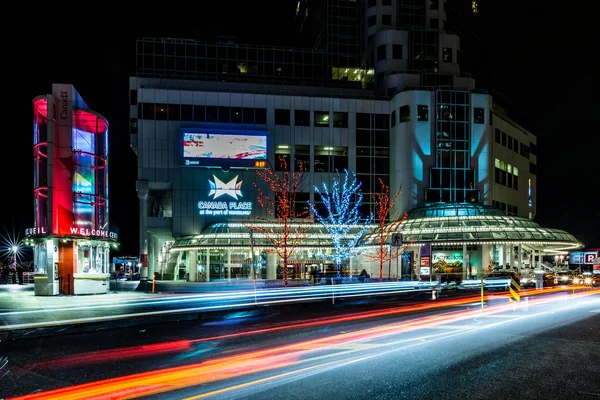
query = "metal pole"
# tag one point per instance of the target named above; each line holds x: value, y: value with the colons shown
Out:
x: 397, y: 264
x: 252, y: 258
x: 332, y: 293
x: 255, y: 303
x: 482, y: 289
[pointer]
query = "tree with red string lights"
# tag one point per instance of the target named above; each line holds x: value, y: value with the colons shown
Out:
x: 385, y: 227
x: 284, y: 228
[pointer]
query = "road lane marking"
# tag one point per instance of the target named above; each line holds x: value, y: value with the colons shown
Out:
x: 453, y: 327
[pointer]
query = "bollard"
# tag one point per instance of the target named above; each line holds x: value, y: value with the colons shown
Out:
x: 69, y: 284
x: 433, y: 294
x: 154, y: 283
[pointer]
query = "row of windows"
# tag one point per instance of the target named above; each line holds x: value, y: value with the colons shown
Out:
x: 513, y: 144
x: 188, y: 112
x: 507, y: 208
x: 325, y: 159
x: 506, y: 174
x: 451, y: 195
x: 302, y: 118
x: 386, y: 19
x: 450, y: 178
x: 372, y: 138
x: 381, y: 52
x: 404, y: 114
x: 245, y: 115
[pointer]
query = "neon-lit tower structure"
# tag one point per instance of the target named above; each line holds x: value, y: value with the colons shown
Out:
x: 70, y: 237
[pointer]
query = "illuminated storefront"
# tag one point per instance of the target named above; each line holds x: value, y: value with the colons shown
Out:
x: 466, y: 239
x: 70, y: 237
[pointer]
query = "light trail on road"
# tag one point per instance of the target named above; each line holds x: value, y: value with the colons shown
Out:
x: 244, y: 298
x: 291, y: 355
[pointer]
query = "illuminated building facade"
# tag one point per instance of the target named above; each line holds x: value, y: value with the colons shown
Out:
x: 70, y: 237
x: 404, y: 112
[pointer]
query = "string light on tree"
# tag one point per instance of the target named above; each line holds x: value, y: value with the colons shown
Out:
x: 285, y: 228
x: 383, y: 230
x: 343, y: 215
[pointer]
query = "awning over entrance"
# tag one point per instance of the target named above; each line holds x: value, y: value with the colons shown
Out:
x: 457, y: 224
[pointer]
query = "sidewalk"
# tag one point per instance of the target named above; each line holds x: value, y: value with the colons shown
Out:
x: 22, y: 297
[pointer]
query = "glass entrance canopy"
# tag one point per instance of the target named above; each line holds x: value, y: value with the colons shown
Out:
x: 438, y: 224
x: 449, y: 223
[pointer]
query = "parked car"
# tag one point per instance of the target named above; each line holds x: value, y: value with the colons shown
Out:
x: 565, y: 277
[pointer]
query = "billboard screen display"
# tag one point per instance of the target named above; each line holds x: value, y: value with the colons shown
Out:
x: 207, y: 146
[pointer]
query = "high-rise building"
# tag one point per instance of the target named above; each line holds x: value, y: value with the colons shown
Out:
x: 70, y: 237
x: 405, y: 114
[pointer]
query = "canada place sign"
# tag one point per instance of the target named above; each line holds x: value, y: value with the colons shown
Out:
x: 225, y: 191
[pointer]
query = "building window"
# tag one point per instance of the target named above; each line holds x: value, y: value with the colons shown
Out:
x: 503, y: 138
x: 330, y: 159
x: 236, y: 115
x: 282, y: 157
x: 386, y: 19
x: 372, y: 20
x: 404, y: 113
x: 133, y: 97
x: 302, y: 158
x: 372, y: 3
x: 397, y: 51
x: 393, y: 118
x: 533, y: 148
x: 282, y: 117
x: 321, y: 118
x: 386, y: 2
x: 199, y: 114
x: 211, y: 113
x: 434, y: 23
x: 224, y: 114
x: 479, y: 115
x: 422, y: 113
x: 302, y: 118
x: 363, y: 121
x: 532, y: 168
x: 248, y: 115
x: 434, y: 4
x: 133, y: 125
x: 260, y: 116
x: 497, y: 135
x: 510, y: 142
x: 447, y: 54
x: 381, y: 52
x: 187, y: 112
x: 340, y: 119
x: 475, y: 7
x: 382, y: 121
x: 174, y: 112
x: 515, y: 145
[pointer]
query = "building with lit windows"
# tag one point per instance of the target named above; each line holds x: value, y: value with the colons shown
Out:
x: 70, y: 237
x: 204, y: 116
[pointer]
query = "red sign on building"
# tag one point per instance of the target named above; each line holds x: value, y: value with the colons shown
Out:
x: 590, y: 257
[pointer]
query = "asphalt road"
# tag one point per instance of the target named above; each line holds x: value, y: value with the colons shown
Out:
x: 547, y: 347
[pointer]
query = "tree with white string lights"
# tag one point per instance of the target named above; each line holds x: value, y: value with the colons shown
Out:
x: 343, y: 203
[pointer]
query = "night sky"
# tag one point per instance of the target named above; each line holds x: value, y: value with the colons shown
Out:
x: 543, y: 62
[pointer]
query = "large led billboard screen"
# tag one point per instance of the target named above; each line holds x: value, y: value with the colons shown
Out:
x: 200, y: 147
